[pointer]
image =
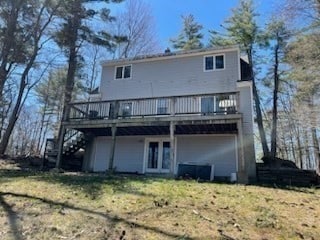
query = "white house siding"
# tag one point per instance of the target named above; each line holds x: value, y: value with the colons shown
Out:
x: 171, y: 77
x: 219, y: 150
x: 101, y: 154
x: 128, y: 155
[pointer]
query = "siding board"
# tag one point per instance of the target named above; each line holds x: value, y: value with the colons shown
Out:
x: 128, y: 155
x: 217, y: 150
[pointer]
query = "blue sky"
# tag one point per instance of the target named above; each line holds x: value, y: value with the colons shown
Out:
x: 209, y: 13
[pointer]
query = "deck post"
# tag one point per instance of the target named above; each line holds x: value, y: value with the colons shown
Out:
x: 172, y: 148
x: 113, y: 146
x: 172, y: 106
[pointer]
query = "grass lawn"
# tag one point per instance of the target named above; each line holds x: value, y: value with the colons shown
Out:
x: 37, y: 205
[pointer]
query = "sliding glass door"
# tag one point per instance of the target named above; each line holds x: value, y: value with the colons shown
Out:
x: 157, y: 156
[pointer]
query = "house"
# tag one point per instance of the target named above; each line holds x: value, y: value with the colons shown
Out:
x: 160, y: 113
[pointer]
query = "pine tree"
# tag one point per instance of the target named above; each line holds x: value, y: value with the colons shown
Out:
x: 190, y: 36
x: 73, y: 32
x: 242, y: 29
x: 278, y: 37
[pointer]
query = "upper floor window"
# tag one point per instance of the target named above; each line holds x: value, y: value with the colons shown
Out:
x: 213, y: 62
x: 123, y: 72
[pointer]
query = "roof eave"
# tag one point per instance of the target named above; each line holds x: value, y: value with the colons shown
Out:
x: 171, y: 55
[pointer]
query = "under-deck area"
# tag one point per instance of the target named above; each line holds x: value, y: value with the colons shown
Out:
x: 122, y: 134
x: 159, y: 126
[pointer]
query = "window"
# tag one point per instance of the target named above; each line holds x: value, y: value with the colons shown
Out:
x: 123, y: 72
x: 127, y: 72
x: 209, y: 63
x: 162, y: 106
x: 153, y: 155
x: 165, y: 155
x: 213, y: 62
x: 220, y: 62
x: 126, y: 109
x: 119, y: 72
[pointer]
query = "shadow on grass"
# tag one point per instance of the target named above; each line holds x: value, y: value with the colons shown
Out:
x: 299, y: 189
x: 92, y: 185
x: 12, y: 218
x: 110, y: 217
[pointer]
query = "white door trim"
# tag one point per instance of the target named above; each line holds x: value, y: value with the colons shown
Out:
x: 159, y: 169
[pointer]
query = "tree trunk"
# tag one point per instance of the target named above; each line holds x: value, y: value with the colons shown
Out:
x: 316, y: 149
x: 4, y: 114
x: 41, y: 129
x: 307, y: 150
x: 43, y: 115
x: 45, y: 131
x: 8, y: 43
x: 13, y: 117
x: 262, y: 133
x: 37, y: 32
x: 75, y: 22
x: 275, y: 104
x: 15, y: 113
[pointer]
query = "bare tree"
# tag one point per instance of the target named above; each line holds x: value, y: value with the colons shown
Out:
x: 301, y: 12
x: 137, y: 24
x: 25, y: 26
x: 23, y: 138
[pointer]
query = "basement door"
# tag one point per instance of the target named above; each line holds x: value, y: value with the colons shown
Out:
x: 157, y: 156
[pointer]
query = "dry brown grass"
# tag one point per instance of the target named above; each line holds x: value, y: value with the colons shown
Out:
x: 37, y: 205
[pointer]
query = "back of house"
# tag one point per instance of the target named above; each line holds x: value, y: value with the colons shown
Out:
x: 175, y: 113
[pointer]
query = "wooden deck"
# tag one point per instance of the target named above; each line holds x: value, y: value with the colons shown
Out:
x: 205, y: 114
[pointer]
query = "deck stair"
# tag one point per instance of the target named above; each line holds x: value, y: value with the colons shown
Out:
x: 73, y: 142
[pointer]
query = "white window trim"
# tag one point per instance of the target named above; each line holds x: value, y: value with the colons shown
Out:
x: 214, y: 62
x: 123, y: 67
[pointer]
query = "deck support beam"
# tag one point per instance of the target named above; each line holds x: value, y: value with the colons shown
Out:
x: 113, y: 146
x: 172, y: 148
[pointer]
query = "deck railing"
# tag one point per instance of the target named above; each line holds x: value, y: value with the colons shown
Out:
x: 208, y: 104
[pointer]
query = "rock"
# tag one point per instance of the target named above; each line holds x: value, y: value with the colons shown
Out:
x: 275, y: 162
x: 195, y: 212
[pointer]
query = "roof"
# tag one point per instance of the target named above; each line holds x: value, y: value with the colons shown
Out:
x: 169, y: 55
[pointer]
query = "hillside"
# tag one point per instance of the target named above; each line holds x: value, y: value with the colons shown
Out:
x: 37, y: 205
